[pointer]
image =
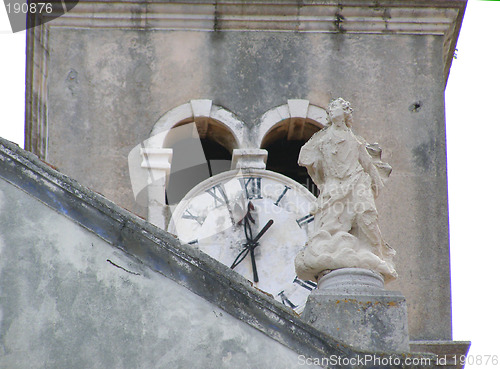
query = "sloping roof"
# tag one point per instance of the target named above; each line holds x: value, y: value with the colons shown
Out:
x: 163, y: 253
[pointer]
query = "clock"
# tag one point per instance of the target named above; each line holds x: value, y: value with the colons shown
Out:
x: 254, y: 221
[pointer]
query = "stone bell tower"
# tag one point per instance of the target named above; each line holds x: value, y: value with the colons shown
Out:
x: 255, y: 78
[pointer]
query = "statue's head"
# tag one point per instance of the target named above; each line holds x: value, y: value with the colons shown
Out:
x: 340, y: 112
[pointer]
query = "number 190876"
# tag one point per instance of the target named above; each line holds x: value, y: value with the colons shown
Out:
x: 31, y: 8
x: 473, y: 360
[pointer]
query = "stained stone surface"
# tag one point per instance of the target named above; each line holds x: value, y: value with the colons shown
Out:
x: 68, y: 299
x: 368, y: 322
x: 352, y: 306
x: 108, y: 86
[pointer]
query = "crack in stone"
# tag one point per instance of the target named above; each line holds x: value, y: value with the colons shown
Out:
x: 122, y: 268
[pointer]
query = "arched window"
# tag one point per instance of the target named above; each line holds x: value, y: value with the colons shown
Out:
x: 282, y: 158
x: 197, y: 140
x: 202, y: 140
x: 283, y: 132
x: 188, y: 167
x: 187, y: 144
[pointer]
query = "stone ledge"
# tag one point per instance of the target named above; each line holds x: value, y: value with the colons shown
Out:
x: 448, y: 352
x: 404, y: 17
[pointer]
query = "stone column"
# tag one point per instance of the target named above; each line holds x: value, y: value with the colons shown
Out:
x: 158, y: 163
x: 249, y: 158
x: 351, y: 305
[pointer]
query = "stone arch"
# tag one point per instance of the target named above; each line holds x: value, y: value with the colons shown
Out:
x: 212, y: 122
x: 197, y: 118
x: 295, y: 120
x: 284, y: 130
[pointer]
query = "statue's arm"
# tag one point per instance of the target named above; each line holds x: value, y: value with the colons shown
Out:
x: 307, y: 155
x: 309, y: 158
x: 366, y: 162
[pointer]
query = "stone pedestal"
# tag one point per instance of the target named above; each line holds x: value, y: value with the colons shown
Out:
x: 352, y: 306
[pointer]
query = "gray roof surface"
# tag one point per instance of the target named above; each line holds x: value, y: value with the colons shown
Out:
x: 163, y: 253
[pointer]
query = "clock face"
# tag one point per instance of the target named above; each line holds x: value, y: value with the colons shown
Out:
x: 254, y: 221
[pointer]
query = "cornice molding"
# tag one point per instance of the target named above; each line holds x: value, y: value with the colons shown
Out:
x: 411, y: 17
x: 399, y: 17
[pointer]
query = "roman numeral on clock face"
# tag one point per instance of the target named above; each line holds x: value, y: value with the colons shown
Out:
x: 218, y: 194
x: 305, y: 219
x: 252, y: 187
x: 188, y: 215
x: 308, y: 285
x: 281, y: 196
x: 286, y: 301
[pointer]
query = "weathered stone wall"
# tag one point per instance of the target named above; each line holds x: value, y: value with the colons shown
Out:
x: 68, y: 299
x: 109, y: 87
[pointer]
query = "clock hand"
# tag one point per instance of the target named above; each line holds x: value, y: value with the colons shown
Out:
x: 264, y: 230
x: 251, y: 243
x: 248, y: 216
x: 254, y: 244
x: 248, y: 230
x: 254, y: 265
x: 248, y: 235
x: 240, y: 256
x: 251, y: 247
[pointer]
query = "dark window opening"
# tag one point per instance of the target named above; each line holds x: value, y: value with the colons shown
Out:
x: 282, y: 158
x: 190, y: 166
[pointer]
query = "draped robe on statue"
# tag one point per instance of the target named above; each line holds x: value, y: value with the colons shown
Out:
x: 349, y: 177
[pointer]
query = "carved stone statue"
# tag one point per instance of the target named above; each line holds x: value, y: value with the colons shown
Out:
x: 349, y: 174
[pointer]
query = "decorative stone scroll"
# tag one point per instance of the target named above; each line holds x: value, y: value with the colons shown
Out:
x: 349, y: 173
